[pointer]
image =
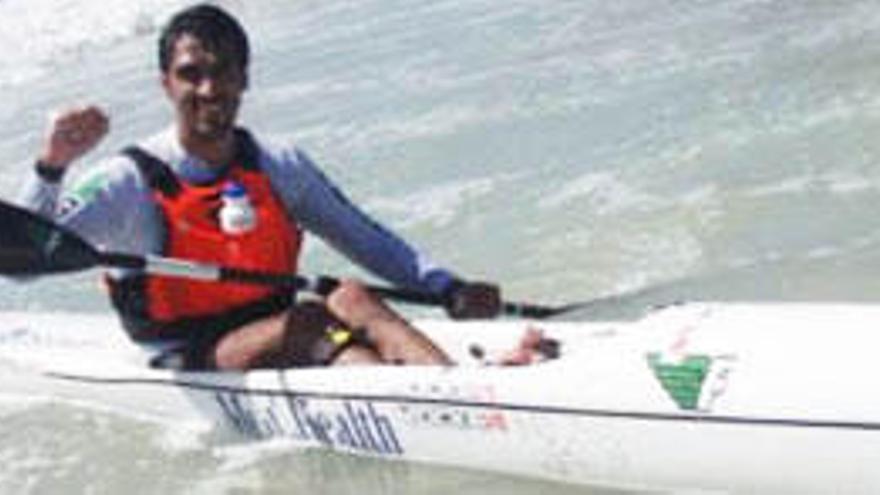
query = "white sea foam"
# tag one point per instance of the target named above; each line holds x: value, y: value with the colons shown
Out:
x: 35, y: 35
x: 600, y: 192
x: 16, y: 403
x: 833, y: 182
x: 438, y: 205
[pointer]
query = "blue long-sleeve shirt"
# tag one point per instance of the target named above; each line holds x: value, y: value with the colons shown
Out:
x: 111, y: 206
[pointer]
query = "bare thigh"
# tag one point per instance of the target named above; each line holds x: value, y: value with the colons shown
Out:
x: 294, y: 338
x: 253, y: 345
x: 393, y: 337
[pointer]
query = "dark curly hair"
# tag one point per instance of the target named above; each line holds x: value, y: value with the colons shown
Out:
x: 213, y: 26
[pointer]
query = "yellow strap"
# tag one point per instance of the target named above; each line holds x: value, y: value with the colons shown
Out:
x: 338, y: 335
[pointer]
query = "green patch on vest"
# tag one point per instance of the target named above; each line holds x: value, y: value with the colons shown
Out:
x: 88, y: 188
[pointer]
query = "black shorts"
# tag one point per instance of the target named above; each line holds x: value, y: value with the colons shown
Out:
x: 313, y: 337
x: 192, y: 340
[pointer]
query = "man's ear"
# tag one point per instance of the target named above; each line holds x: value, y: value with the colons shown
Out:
x: 163, y: 79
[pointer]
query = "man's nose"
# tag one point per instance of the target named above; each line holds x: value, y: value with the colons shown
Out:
x: 207, y: 86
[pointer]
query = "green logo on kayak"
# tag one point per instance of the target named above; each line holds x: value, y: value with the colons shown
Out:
x: 694, y: 382
x: 682, y: 380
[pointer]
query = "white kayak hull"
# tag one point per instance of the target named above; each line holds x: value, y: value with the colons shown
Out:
x: 741, y: 398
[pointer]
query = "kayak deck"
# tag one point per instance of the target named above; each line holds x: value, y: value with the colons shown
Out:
x: 728, y: 397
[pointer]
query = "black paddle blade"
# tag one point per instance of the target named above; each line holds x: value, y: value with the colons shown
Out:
x: 32, y: 245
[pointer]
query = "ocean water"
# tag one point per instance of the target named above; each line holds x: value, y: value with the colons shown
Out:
x: 568, y: 149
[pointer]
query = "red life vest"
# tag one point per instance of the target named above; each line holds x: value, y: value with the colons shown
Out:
x: 163, y: 306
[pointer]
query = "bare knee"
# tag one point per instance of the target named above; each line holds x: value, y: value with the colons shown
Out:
x: 350, y: 293
x: 353, y: 303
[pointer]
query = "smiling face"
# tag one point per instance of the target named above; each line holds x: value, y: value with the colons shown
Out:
x: 204, y: 85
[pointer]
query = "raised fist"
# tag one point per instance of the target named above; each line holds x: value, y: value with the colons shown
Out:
x: 72, y: 133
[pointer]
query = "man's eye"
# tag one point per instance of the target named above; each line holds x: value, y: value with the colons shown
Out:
x: 190, y: 74
x: 224, y: 73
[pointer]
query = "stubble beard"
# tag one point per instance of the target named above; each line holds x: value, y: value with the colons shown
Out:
x: 211, y: 125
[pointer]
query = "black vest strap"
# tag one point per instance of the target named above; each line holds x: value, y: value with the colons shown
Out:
x: 157, y: 173
x: 247, y: 153
x: 160, y: 177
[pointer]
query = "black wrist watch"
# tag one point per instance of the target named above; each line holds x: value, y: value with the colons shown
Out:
x: 48, y: 173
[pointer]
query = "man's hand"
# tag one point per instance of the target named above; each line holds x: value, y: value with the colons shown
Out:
x: 71, y: 134
x: 473, y: 300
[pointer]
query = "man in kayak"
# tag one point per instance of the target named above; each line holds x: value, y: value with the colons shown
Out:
x: 207, y: 190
